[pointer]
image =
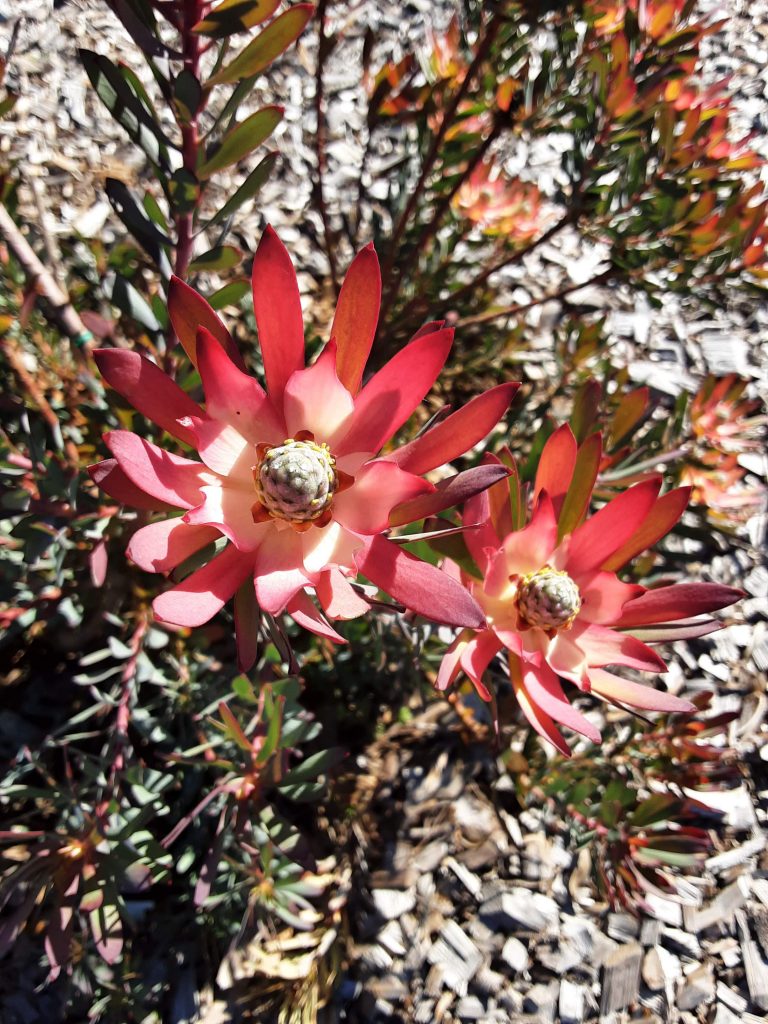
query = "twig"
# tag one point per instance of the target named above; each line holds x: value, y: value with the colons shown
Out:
x: 418, y: 300
x: 61, y: 309
x: 443, y: 206
x: 514, y: 257
x: 320, y: 143
x: 447, y: 119
x: 494, y: 314
x: 35, y: 392
x: 51, y: 248
x: 128, y: 688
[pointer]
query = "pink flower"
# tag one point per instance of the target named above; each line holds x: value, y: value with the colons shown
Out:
x: 290, y: 484
x: 552, y: 598
x: 722, y: 419
x: 500, y: 205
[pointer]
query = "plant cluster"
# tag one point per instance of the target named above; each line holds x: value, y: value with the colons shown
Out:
x: 177, y: 748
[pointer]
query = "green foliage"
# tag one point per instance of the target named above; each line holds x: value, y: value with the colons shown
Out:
x: 641, y: 840
x: 164, y: 807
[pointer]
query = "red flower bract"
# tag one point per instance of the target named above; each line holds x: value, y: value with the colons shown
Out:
x: 552, y: 599
x: 289, y: 476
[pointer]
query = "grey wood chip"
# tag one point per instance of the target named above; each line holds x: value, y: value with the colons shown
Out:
x: 515, y: 954
x: 730, y: 997
x: 698, y: 988
x: 621, y: 978
x: 720, y: 910
x: 468, y: 879
x: 457, y: 955
x: 756, y: 969
x: 519, y: 907
x: 571, y: 1003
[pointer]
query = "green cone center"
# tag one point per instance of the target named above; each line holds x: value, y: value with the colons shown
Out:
x: 548, y: 599
x: 296, y: 480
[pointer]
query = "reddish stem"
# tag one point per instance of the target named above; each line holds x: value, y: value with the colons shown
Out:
x: 191, y: 48
x: 320, y: 143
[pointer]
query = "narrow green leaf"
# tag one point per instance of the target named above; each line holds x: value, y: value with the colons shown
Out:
x: 133, y: 216
x: 230, y: 294
x: 516, y: 504
x: 155, y: 213
x: 235, y: 16
x: 303, y: 791
x: 454, y: 546
x: 242, y: 140
x: 139, y: 21
x: 243, y: 688
x: 130, y: 302
x: 586, y: 404
x: 247, y: 190
x: 273, y: 733
x: 577, y: 498
x: 127, y: 108
x: 232, y: 727
x: 267, y: 46
x: 187, y: 93
x: 312, y: 767
x: 656, y: 808
x: 221, y: 257
x: 655, y: 856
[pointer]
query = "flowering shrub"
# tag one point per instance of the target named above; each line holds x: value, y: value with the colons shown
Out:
x: 179, y: 767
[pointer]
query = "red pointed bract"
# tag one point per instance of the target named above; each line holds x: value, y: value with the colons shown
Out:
x: 200, y: 596
x: 277, y: 307
x: 110, y: 478
x: 461, y: 430
x: 357, y: 315
x: 418, y: 585
x: 391, y: 395
x: 150, y: 391
x: 448, y: 493
x: 158, y: 473
x: 556, y: 465
x: 679, y: 601
x: 188, y: 312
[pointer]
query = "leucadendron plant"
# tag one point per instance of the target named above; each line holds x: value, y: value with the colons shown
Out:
x: 231, y: 544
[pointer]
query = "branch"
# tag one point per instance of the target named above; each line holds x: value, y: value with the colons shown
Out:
x: 320, y: 143
x: 447, y: 119
x: 495, y: 314
x: 62, y: 312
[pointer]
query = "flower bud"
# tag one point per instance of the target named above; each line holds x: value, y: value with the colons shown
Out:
x: 548, y: 599
x: 296, y: 480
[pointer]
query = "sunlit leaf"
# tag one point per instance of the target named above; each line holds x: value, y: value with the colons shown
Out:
x: 222, y: 257
x: 230, y: 294
x: 247, y: 190
x: 126, y: 107
x: 131, y: 302
x: 235, y: 16
x: 242, y: 140
x: 266, y: 47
